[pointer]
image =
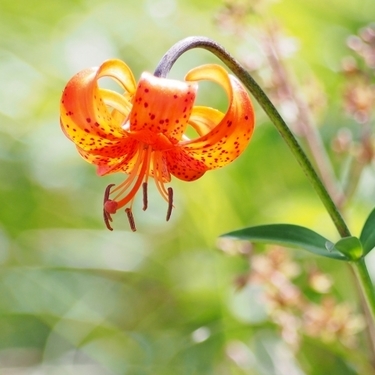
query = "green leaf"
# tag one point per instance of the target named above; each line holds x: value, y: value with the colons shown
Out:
x: 367, y: 236
x: 351, y: 247
x: 289, y: 235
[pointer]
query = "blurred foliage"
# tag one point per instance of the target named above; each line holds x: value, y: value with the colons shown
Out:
x: 77, y: 299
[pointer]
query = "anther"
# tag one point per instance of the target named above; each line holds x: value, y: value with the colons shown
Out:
x: 107, y: 214
x: 107, y: 192
x: 170, y: 203
x: 107, y: 218
x: 129, y: 213
x: 145, y: 197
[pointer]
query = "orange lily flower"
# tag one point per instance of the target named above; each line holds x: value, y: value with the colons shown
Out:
x: 142, y: 131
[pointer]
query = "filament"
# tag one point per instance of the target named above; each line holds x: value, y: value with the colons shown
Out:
x: 132, y: 175
x: 142, y: 172
x: 158, y: 175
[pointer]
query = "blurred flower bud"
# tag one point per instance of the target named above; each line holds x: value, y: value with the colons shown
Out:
x: 342, y: 142
x: 320, y: 282
x: 234, y: 247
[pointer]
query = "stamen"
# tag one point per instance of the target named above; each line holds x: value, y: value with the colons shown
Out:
x: 106, y: 215
x: 145, y: 198
x: 129, y: 213
x: 132, y: 176
x: 141, y: 174
x: 107, y: 218
x: 158, y: 175
x: 170, y: 203
x: 107, y: 192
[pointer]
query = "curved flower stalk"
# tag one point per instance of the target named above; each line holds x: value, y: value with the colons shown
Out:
x: 142, y: 132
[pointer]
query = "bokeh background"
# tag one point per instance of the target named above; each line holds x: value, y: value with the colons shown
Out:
x: 78, y: 299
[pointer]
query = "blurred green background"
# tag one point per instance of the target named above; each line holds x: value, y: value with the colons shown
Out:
x: 78, y: 299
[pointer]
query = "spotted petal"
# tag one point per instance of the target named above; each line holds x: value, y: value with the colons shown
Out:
x: 161, y: 106
x: 183, y: 165
x: 112, y: 159
x: 226, y: 141
x: 92, y: 117
x: 84, y: 106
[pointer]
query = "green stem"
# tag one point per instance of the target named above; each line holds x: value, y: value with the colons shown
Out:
x: 367, y: 298
x: 360, y: 269
x: 184, y: 45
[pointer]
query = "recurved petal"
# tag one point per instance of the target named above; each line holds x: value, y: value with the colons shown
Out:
x: 203, y: 119
x: 162, y: 106
x: 120, y: 72
x: 86, y: 110
x: 226, y: 141
x: 112, y: 158
x: 184, y: 166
